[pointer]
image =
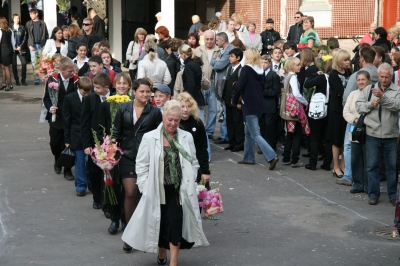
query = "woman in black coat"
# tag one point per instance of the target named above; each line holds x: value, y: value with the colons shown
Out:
x: 20, y: 40
x: 173, y: 64
x: 7, y: 51
x: 132, y: 121
x: 381, y: 38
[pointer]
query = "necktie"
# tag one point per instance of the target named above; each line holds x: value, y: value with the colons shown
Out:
x: 231, y: 71
x: 83, y: 99
x: 66, y: 81
x: 275, y: 67
x: 103, y: 98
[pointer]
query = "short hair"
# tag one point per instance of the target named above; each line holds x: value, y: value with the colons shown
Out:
x: 363, y: 72
x: 311, y: 20
x: 125, y: 76
x: 74, y: 31
x: 65, y: 62
x: 96, y: 59
x: 163, y: 30
x: 102, y: 79
x: 209, y: 31
x: 290, y: 63
x: 385, y: 47
x: 395, y: 30
x: 307, y: 57
x: 276, y: 48
x: 251, y: 23
x: 223, y: 36
x: 138, y: 32
x: 53, y: 34
x: 380, y: 52
x: 386, y: 66
x: 299, y: 13
x: 203, y: 28
x: 194, y: 109
x: 104, y: 44
x: 238, y: 18
x: 85, y: 84
x: 151, y: 49
x: 79, y: 45
x: 368, y: 54
x: 266, y: 57
x: 290, y: 45
x: 252, y: 57
x: 237, y: 52
x: 107, y: 52
x: 239, y: 44
x: 172, y: 107
x: 332, y: 43
x: 88, y: 19
x: 34, y: 10
x: 174, y: 44
x: 338, y: 59
x: 269, y: 20
x: 151, y: 37
x: 56, y: 56
x: 142, y: 81
x: 195, y: 18
x: 382, y: 32
x: 279, y: 42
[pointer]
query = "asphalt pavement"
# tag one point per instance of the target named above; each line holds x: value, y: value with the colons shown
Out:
x: 288, y: 216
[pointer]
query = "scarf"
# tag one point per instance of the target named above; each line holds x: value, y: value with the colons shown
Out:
x: 175, y: 146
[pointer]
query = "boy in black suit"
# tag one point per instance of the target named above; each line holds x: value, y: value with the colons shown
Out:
x: 63, y: 83
x: 234, y: 116
x: 72, y: 110
x: 89, y: 121
x: 272, y: 90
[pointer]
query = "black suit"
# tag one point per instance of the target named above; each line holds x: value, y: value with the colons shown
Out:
x: 234, y: 116
x: 72, y: 110
x: 56, y: 130
x: 272, y: 90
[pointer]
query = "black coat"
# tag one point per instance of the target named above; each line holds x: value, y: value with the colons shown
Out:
x: 305, y: 74
x: 272, y: 90
x: 90, y: 40
x: 228, y: 88
x: 319, y: 81
x: 269, y: 37
x: 72, y: 110
x: 295, y: 32
x: 174, y: 65
x: 130, y: 136
x: 381, y: 41
x: 72, y: 46
x: 21, y: 33
x: 104, y: 120
x: 61, y: 95
x: 99, y: 27
x: 191, y: 78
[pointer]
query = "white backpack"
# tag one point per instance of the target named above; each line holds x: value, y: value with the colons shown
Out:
x: 318, y: 107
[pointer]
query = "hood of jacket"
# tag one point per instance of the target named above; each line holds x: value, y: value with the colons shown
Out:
x: 257, y: 69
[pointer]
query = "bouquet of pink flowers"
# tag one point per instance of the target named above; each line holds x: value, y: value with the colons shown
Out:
x: 45, y: 67
x: 106, y: 156
x: 210, y: 200
x: 53, y: 93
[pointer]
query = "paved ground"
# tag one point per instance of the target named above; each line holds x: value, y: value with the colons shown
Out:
x: 282, y: 217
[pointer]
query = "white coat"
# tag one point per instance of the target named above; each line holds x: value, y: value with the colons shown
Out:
x: 50, y: 48
x: 143, y: 229
x: 156, y: 70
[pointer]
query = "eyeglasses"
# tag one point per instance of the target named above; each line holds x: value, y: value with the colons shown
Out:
x: 297, y: 17
x: 85, y: 24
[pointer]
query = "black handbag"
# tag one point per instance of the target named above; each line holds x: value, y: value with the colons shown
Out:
x: 126, y: 63
x: 67, y: 158
x: 360, y: 131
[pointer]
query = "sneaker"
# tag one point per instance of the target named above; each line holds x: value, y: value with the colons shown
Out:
x: 393, y: 201
x: 372, y: 201
x: 298, y: 164
x: 272, y: 163
x: 342, y: 181
x: 285, y: 163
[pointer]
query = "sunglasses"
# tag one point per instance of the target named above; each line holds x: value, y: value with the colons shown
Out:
x: 85, y: 24
x: 297, y: 17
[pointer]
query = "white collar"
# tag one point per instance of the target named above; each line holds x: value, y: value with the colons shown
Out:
x: 267, y: 71
x: 234, y: 67
x: 79, y: 94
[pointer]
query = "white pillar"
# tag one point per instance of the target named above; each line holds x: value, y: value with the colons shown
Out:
x: 168, y: 12
x: 50, y: 14
x: 115, y: 28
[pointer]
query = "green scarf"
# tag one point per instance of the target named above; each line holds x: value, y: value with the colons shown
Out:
x: 175, y: 146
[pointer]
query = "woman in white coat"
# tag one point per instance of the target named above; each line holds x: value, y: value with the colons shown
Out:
x: 135, y: 49
x: 251, y: 39
x: 152, y: 67
x: 56, y: 44
x: 168, y: 215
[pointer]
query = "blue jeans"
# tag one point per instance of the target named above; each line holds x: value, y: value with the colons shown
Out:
x: 36, y: 55
x: 81, y: 176
x: 208, y: 142
x: 223, y: 130
x: 211, y: 101
x: 359, y: 166
x: 252, y: 134
x: 375, y: 148
x: 347, y: 155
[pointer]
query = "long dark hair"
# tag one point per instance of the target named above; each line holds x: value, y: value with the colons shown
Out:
x: 53, y: 34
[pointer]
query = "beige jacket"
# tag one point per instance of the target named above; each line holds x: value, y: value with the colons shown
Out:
x: 155, y: 70
x: 349, y: 110
x: 132, y: 54
x: 201, y: 52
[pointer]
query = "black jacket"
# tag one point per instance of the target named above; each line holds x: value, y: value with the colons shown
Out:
x: 72, y: 110
x: 99, y: 27
x: 269, y: 37
x: 319, y: 81
x: 174, y: 65
x: 381, y: 41
x: 23, y: 37
x: 44, y: 34
x: 61, y: 94
x: 305, y: 74
x: 72, y: 46
x: 90, y: 40
x: 191, y: 78
x: 272, y: 90
x: 228, y: 88
x: 104, y: 120
x: 295, y: 32
x: 130, y: 136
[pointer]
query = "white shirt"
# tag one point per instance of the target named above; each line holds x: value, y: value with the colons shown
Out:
x: 234, y: 67
x: 79, y: 64
x: 273, y: 66
x: 209, y: 54
x: 64, y: 80
x: 231, y: 36
x: 80, y: 95
x: 266, y: 71
x: 294, y: 83
x: 101, y: 96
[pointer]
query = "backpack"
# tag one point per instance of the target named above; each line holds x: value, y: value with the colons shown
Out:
x: 318, y: 107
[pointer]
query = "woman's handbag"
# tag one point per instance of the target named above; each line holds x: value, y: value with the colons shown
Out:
x: 205, y: 82
x: 360, y: 131
x: 67, y: 158
x: 289, y: 109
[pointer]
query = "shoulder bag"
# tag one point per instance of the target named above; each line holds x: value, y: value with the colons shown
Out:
x: 359, y: 132
x: 289, y: 109
x: 318, y: 107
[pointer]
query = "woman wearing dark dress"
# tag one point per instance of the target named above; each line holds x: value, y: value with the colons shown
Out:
x: 6, y: 50
x: 337, y: 125
x: 20, y: 40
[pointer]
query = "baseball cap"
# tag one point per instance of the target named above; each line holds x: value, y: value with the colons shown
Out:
x: 218, y: 14
x: 159, y: 14
x: 163, y: 88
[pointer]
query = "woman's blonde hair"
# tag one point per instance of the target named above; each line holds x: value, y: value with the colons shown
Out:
x: 238, y: 18
x: 192, y: 104
x: 338, y: 59
x: 394, y: 29
x: 172, y: 107
x: 151, y: 49
x: 290, y: 64
x: 195, y: 18
x: 187, y: 50
x: 252, y: 57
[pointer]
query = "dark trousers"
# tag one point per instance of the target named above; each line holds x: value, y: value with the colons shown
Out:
x: 268, y: 129
x: 96, y: 177
x: 235, y: 127
x: 117, y: 211
x: 359, y: 166
x: 279, y: 128
x: 318, y: 129
x: 292, y: 145
x: 23, y: 66
x: 56, y: 141
x: 132, y: 73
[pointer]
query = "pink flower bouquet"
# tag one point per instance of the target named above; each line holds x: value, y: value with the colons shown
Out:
x: 210, y: 200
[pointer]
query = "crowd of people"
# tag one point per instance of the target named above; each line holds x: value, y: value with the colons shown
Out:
x: 261, y: 88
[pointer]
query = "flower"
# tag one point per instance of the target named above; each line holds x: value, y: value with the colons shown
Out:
x: 326, y: 57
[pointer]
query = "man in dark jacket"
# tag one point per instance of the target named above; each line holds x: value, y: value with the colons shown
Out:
x: 89, y: 35
x: 296, y: 29
x: 98, y: 24
x: 269, y: 37
x: 37, y: 37
x: 196, y: 24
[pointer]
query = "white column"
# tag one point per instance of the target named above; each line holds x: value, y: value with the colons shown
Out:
x: 115, y: 28
x: 50, y: 14
x: 168, y: 12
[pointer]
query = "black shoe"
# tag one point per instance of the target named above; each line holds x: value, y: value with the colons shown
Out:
x: 305, y: 155
x: 237, y: 149
x: 127, y: 248
x: 37, y: 83
x: 210, y: 136
x: 17, y: 83
x: 68, y: 175
x: 273, y: 163
x: 217, y: 139
x: 229, y: 148
x: 81, y: 193
x: 89, y: 187
x: 96, y: 205
x: 259, y: 152
x: 3, y: 87
x: 123, y: 225
x: 355, y: 191
x: 113, y: 228
x: 310, y: 167
x: 57, y: 169
x: 220, y: 141
x: 24, y: 83
x: 107, y: 214
x: 326, y: 168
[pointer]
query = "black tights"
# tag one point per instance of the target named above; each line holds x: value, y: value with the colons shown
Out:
x: 132, y: 197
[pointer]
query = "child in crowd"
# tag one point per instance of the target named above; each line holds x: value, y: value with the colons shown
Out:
x: 276, y: 59
x: 95, y: 49
x: 96, y: 67
x: 105, y: 46
x: 162, y: 94
x: 108, y: 61
x: 81, y: 60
